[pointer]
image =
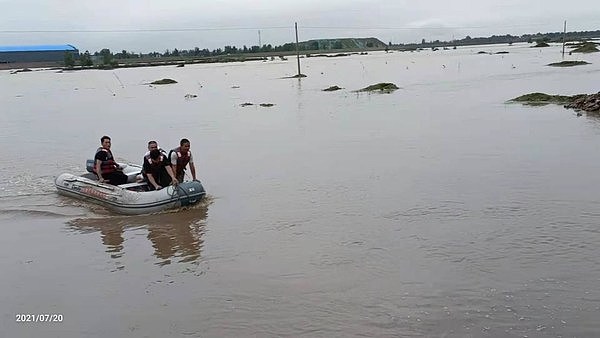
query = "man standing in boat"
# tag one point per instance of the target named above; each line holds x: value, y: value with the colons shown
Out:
x: 106, y: 168
x: 180, y: 157
x: 158, y: 170
x: 151, y: 146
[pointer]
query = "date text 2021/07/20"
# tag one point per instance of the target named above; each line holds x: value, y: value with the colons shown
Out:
x: 38, y: 318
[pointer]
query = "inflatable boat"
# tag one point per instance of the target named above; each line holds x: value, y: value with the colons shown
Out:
x: 132, y: 198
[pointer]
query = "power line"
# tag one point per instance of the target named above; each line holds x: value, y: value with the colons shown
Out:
x: 199, y: 29
x: 138, y: 30
x: 532, y: 24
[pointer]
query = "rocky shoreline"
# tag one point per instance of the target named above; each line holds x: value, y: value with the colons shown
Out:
x: 586, y: 102
x: 589, y: 103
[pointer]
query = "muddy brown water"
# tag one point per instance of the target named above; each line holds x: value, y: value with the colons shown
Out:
x: 437, y: 210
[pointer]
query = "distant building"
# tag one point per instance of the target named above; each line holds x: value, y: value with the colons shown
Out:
x: 38, y: 54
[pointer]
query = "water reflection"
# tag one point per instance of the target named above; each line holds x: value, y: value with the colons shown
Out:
x: 592, y: 118
x: 174, y: 235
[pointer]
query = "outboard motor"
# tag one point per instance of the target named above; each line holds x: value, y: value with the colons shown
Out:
x: 190, y: 193
x: 89, y: 166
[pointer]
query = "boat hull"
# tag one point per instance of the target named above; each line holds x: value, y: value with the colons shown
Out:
x: 124, y: 200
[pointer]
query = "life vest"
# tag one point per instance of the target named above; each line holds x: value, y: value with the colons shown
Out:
x: 107, y: 166
x: 182, y: 160
x: 156, y: 162
x: 162, y: 152
x: 155, y: 166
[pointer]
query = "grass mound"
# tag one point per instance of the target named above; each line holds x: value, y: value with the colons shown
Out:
x: 163, y: 82
x: 586, y: 47
x: 568, y: 63
x: 297, y: 76
x: 542, y: 99
x: 541, y: 44
x: 383, y: 87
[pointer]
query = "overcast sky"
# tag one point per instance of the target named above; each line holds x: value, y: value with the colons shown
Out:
x: 157, y: 25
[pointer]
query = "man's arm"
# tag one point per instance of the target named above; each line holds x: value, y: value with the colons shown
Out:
x: 153, y: 181
x: 174, y: 180
x: 99, y: 170
x: 173, y: 161
x: 193, y: 170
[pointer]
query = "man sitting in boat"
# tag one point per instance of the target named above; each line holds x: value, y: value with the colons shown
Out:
x: 158, y: 171
x: 180, y: 157
x: 106, y: 168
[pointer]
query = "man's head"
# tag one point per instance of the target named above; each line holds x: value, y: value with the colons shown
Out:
x: 184, y: 144
x: 152, y: 145
x: 105, y: 141
x: 154, y: 154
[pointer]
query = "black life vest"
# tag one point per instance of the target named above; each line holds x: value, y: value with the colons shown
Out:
x: 155, y: 165
x: 157, y: 162
x: 162, y: 152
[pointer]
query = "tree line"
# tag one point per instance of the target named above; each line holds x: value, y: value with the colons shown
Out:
x: 508, y: 39
x: 106, y: 57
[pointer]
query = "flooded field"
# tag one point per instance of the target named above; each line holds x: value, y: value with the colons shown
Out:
x: 437, y: 210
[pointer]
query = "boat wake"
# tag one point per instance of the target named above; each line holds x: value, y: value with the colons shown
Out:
x: 13, y: 213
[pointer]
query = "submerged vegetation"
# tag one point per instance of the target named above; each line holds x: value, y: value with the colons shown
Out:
x: 568, y: 63
x: 246, y: 104
x: 383, y: 87
x: 585, y: 47
x: 24, y: 70
x: 163, y: 82
x: 542, y: 99
x: 541, y: 44
x: 332, y: 89
x: 586, y: 102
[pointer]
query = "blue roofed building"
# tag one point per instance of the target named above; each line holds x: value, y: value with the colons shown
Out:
x: 18, y: 56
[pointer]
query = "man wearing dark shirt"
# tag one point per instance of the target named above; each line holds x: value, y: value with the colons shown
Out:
x: 106, y: 168
x: 158, y: 170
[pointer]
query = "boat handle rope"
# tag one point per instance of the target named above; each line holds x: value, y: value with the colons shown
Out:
x: 176, y: 190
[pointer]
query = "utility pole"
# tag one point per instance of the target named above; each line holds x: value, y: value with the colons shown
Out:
x: 297, y: 50
x: 564, y: 38
x: 259, y: 42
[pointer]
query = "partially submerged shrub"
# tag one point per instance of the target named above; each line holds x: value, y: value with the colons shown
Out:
x: 163, y: 81
x: 542, y: 99
x: 586, y: 47
x: 383, y: 87
x: 331, y: 89
x: 568, y: 63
